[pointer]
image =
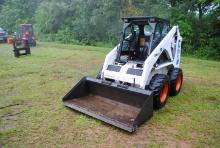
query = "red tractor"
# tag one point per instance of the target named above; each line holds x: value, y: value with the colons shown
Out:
x: 23, y: 39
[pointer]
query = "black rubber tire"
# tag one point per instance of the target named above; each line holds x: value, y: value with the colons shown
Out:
x: 16, y: 53
x: 28, y: 51
x: 156, y: 85
x: 99, y: 74
x: 34, y: 44
x: 173, y: 74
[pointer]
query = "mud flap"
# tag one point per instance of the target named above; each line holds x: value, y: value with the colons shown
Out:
x: 123, y: 107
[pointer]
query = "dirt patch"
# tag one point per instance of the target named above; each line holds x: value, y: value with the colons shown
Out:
x: 212, y: 98
x: 185, y: 144
x: 179, y: 144
x: 183, y: 119
x: 201, y: 81
x: 11, y: 105
x: 149, y: 134
x: 9, y: 115
x: 8, y: 122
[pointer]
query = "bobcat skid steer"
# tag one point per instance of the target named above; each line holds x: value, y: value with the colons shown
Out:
x: 137, y: 76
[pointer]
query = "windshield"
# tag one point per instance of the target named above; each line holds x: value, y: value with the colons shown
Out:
x: 131, y: 34
x: 27, y: 28
x: 136, y: 38
x: 22, y: 29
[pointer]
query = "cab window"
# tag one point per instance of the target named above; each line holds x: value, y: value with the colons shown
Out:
x: 157, y: 35
x: 165, y: 30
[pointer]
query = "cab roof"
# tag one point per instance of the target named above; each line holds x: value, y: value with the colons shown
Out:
x: 144, y: 18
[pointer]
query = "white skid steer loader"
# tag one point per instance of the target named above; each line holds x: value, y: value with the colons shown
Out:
x: 138, y: 75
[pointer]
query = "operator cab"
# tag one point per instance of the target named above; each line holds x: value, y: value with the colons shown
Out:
x: 26, y: 31
x: 140, y: 37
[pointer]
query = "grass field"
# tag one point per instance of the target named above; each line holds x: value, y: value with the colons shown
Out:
x: 32, y: 114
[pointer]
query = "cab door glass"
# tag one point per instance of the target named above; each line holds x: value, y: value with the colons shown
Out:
x: 165, y: 30
x: 157, y: 35
x: 130, y: 35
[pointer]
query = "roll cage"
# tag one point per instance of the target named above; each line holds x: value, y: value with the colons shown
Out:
x: 135, y: 31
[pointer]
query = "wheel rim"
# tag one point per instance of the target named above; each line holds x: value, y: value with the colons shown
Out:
x: 164, y: 93
x: 178, y: 82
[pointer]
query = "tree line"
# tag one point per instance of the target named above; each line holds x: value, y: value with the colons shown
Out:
x: 95, y: 22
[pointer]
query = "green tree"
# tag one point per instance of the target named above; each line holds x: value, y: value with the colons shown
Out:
x: 14, y: 12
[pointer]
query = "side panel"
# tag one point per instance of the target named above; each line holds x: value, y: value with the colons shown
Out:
x: 109, y: 59
x: 149, y: 64
x: 176, y: 61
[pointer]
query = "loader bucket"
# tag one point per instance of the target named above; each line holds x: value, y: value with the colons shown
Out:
x: 123, y: 107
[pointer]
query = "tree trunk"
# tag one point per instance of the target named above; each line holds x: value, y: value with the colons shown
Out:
x: 173, y: 3
x: 130, y: 2
x: 200, y: 11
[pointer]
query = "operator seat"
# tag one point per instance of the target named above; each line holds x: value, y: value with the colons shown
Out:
x: 144, y: 47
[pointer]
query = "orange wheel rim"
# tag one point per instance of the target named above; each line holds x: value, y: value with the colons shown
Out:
x: 178, y: 82
x: 164, y: 93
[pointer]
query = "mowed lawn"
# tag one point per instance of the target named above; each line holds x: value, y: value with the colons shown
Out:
x: 32, y: 113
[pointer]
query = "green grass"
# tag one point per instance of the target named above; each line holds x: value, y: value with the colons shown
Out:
x: 36, y: 83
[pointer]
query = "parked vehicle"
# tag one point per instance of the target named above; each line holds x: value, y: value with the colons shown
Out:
x: 3, y: 35
x: 26, y: 31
